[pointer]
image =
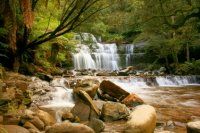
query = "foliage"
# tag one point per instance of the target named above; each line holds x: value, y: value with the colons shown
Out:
x: 189, y: 68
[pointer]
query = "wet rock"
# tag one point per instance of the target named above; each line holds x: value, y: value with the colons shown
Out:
x: 13, y: 129
x: 34, y: 131
x: 99, y: 103
x: 88, y: 100
x: 112, y: 111
x: 46, y: 118
x: 97, y: 125
x: 165, y: 132
x: 69, y: 116
x: 142, y: 120
x: 112, y: 89
x: 193, y: 127
x: 84, y: 107
x: 39, y: 124
x: 88, y: 85
x: 106, y: 74
x: 170, y: 124
x: 67, y: 127
x: 132, y: 100
x: 105, y: 97
x: 45, y: 77
x: 29, y: 125
x: 125, y: 72
x: 11, y: 119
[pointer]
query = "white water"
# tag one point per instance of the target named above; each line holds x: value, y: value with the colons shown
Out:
x: 138, y: 84
x: 176, y: 80
x: 129, y: 48
x: 105, y: 58
x: 63, y: 96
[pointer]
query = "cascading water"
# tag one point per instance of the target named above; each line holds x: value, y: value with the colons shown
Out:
x: 176, y: 80
x: 129, y: 48
x: 104, y: 57
x: 83, y: 59
x: 62, y: 98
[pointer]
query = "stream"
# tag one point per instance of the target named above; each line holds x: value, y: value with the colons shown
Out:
x: 176, y: 99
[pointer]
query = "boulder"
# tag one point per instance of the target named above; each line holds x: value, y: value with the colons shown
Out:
x: 125, y: 72
x: 132, y: 100
x: 85, y: 107
x: 97, y: 125
x: 29, y: 125
x: 113, y: 90
x: 193, y: 127
x: 45, y: 117
x: 68, y: 116
x: 39, y: 124
x: 88, y: 85
x: 112, y: 111
x: 67, y: 127
x: 81, y: 110
x: 106, y: 74
x: 13, y: 129
x: 11, y: 119
x: 87, y: 99
x: 142, y: 120
x: 34, y: 131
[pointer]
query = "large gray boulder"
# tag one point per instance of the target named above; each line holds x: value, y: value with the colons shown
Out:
x: 113, y: 111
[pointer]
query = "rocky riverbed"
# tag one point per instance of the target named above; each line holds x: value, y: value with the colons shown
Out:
x: 91, y: 104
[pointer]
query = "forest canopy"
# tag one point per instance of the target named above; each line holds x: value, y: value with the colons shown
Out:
x: 35, y: 30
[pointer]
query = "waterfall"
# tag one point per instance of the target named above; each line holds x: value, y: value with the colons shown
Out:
x: 176, y: 80
x: 105, y: 57
x: 129, y: 48
x: 83, y: 59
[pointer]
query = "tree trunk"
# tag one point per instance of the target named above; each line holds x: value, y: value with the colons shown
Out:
x: 16, y: 63
x: 166, y: 61
x: 188, y: 52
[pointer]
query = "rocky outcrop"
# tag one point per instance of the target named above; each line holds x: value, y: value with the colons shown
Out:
x: 88, y: 85
x: 67, y: 127
x: 113, y: 90
x: 132, y: 100
x: 142, y: 120
x: 193, y: 127
x: 113, y: 111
